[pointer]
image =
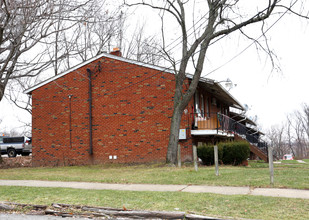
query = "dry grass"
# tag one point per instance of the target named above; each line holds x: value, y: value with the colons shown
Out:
x: 257, y: 175
x: 236, y: 206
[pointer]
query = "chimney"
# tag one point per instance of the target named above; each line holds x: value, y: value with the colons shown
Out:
x: 116, y: 52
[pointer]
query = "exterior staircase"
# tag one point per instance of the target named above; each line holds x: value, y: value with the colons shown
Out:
x: 254, y: 149
x: 260, y: 152
x: 241, y: 132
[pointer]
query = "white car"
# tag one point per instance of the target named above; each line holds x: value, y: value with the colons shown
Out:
x: 15, y: 145
x: 288, y: 157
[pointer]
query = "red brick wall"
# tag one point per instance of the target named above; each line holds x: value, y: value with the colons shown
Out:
x: 50, y: 121
x: 132, y: 107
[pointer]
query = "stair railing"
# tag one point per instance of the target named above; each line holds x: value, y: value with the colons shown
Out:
x: 230, y: 125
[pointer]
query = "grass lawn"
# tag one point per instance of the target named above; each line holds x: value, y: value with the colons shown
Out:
x: 256, y: 175
x: 290, y: 162
x: 236, y: 206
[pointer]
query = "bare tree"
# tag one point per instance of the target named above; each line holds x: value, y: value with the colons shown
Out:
x: 54, y: 43
x: 289, y: 133
x: 104, y: 27
x: 23, y: 26
x: 141, y: 47
x: 97, y: 31
x: 277, y: 140
x: 305, y: 120
x: 217, y: 19
x: 16, y: 96
x: 100, y: 28
x: 295, y: 134
x: 302, y: 130
x: 78, y: 35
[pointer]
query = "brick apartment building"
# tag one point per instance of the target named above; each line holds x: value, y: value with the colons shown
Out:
x: 114, y: 110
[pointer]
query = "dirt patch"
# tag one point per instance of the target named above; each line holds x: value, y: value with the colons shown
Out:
x: 14, y: 162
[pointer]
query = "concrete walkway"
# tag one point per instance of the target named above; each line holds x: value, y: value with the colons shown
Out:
x: 225, y: 190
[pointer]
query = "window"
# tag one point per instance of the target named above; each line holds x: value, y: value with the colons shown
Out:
x: 13, y: 139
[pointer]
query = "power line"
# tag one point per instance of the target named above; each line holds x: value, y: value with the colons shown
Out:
x: 193, y: 26
x: 246, y: 48
x: 177, y: 62
x: 215, y: 42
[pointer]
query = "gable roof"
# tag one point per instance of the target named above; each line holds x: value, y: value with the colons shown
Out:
x: 214, y: 87
x: 29, y: 90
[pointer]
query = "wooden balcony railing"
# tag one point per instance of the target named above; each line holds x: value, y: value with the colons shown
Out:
x: 206, y: 123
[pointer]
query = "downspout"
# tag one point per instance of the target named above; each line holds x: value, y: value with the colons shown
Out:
x: 70, y: 119
x: 90, y: 111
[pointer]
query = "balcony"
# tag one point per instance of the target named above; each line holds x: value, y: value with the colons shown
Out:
x: 221, y: 125
x: 212, y: 124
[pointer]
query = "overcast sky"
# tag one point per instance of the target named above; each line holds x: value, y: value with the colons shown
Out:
x: 270, y: 94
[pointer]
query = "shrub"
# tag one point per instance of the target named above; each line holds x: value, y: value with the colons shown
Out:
x: 228, y: 152
x: 206, y: 154
x: 235, y: 152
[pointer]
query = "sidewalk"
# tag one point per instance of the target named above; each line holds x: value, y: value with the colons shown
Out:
x: 225, y: 190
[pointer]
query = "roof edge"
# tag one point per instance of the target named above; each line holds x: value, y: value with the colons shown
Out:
x: 231, y: 96
x: 107, y: 55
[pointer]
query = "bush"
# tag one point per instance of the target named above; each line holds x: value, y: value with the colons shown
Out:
x: 228, y: 152
x: 235, y: 152
x: 206, y: 154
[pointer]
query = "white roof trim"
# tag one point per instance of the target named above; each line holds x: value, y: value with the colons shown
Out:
x: 29, y: 90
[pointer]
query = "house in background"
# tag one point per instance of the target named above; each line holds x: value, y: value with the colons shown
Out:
x: 111, y: 109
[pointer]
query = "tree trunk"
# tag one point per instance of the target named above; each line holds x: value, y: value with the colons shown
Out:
x: 171, y: 156
x: 2, y: 86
